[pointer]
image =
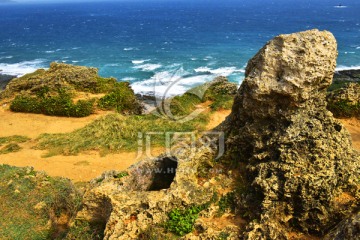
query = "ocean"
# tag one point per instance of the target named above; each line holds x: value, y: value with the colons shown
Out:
x: 153, y: 44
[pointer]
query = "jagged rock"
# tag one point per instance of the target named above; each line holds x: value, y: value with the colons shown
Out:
x: 347, y: 229
x: 298, y: 158
x: 140, y: 201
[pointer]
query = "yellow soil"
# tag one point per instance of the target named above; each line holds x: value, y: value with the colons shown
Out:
x: 217, y: 118
x: 353, y: 126
x: 78, y: 168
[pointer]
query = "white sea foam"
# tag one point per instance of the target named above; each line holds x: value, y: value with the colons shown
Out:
x: 75, y: 61
x: 130, y: 49
x: 341, y: 68
x: 357, y: 47
x: 340, y: 6
x: 21, y: 68
x: 169, y: 83
x: 140, y: 61
x: 6, y: 57
x: 148, y: 67
x: 50, y: 51
x: 224, y: 71
x: 128, y: 79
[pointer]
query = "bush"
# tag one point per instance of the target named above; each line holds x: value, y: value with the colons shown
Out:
x: 30, y: 200
x: 181, y: 222
x: 58, y: 105
x: 121, y: 99
x: 344, y: 109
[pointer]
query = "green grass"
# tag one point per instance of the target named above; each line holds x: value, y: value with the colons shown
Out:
x: 344, y: 109
x: 115, y: 133
x: 60, y: 104
x: 13, y: 139
x: 181, y: 222
x: 29, y: 198
x: 121, y: 98
x: 11, y: 143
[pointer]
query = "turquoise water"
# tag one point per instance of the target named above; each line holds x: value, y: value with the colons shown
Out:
x: 157, y: 42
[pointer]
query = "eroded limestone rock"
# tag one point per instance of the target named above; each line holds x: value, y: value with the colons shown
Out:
x: 299, y: 160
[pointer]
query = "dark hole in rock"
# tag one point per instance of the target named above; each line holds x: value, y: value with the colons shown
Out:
x: 164, y: 174
x: 338, y: 127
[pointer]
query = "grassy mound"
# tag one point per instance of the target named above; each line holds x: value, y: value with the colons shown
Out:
x: 344, y: 100
x: 34, y: 205
x: 11, y: 143
x: 53, y: 92
x: 115, y: 132
x: 219, y: 91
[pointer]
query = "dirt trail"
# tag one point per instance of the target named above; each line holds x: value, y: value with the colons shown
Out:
x: 353, y: 126
x: 82, y: 167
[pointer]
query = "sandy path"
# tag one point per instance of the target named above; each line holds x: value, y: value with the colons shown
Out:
x: 32, y: 125
x: 82, y: 167
x: 217, y: 118
x: 353, y: 126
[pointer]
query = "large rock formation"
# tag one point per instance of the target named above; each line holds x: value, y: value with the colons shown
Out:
x: 295, y: 170
x: 302, y: 173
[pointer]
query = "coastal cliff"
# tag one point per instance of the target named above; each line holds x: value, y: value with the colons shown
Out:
x: 289, y: 171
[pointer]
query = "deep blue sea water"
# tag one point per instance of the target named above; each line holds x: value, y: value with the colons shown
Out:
x: 147, y: 41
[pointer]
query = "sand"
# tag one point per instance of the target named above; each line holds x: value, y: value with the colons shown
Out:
x: 77, y: 168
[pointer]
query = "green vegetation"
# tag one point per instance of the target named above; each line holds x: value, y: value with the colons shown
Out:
x: 121, y: 98
x: 222, y: 102
x: 122, y: 174
x: 114, y: 133
x: 11, y: 143
x: 30, y: 200
x: 344, y: 109
x: 53, y: 92
x: 53, y: 105
x: 181, y: 222
x: 337, y: 85
x: 219, y: 91
x: 83, y: 230
x: 227, y: 202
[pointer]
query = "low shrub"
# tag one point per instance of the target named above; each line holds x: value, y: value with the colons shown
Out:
x: 122, y: 99
x: 181, y: 222
x: 30, y: 200
x: 114, y: 133
x: 52, y: 105
x: 344, y: 109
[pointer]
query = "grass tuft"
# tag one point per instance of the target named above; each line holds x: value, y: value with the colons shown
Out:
x: 115, y: 133
x: 30, y: 200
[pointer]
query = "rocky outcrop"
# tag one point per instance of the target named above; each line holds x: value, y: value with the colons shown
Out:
x: 350, y: 93
x: 136, y: 204
x: 294, y: 170
x: 301, y: 171
x: 349, y: 228
x: 4, y: 80
x: 59, y: 76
